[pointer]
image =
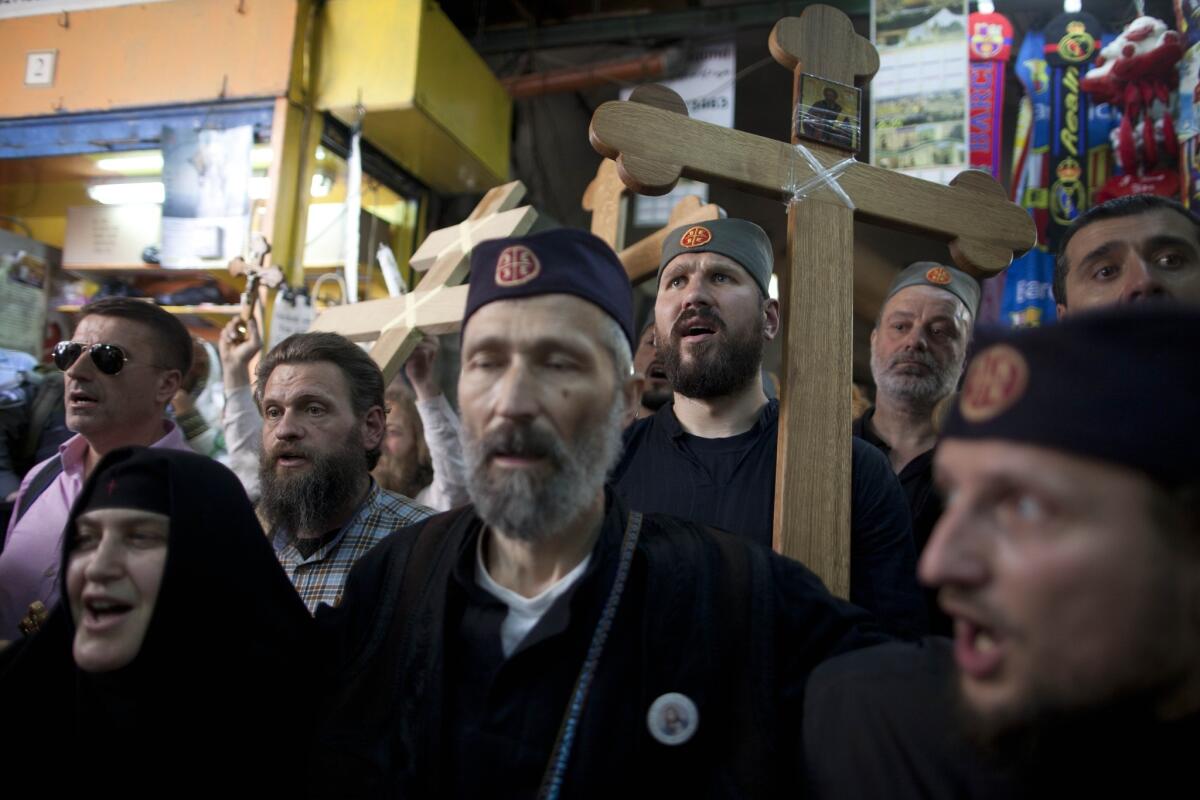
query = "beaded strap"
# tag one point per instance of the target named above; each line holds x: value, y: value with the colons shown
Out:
x: 556, y: 768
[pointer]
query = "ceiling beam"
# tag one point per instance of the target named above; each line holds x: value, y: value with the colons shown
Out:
x: 691, y: 24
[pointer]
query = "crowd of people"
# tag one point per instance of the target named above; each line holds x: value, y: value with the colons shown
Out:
x: 569, y: 591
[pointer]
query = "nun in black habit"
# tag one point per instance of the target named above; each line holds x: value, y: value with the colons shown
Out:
x: 178, y: 663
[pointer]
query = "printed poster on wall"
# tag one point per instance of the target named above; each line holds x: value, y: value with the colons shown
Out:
x: 22, y: 302
x: 707, y: 86
x: 206, y: 206
x: 919, y: 96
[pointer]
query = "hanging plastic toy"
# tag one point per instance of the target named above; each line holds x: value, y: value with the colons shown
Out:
x: 1136, y: 72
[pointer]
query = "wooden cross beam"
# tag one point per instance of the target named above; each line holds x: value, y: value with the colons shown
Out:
x: 655, y: 143
x: 397, y: 324
x: 606, y: 198
x: 441, y: 243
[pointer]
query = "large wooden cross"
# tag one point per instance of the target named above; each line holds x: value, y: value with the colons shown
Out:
x: 655, y: 143
x: 606, y: 198
x: 397, y: 324
x: 608, y: 201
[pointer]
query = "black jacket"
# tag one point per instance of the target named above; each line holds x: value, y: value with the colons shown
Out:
x: 219, y: 696
x: 884, y: 723
x: 424, y: 705
x: 730, y: 484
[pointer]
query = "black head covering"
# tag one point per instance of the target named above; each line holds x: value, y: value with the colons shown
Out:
x: 939, y: 276
x: 738, y: 239
x: 558, y: 261
x: 1119, y: 384
x: 216, y: 689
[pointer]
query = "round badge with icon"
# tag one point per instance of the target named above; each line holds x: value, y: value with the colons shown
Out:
x: 673, y: 719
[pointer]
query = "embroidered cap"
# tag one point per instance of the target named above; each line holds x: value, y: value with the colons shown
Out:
x: 738, y: 239
x: 1117, y: 384
x: 930, y: 273
x: 559, y: 261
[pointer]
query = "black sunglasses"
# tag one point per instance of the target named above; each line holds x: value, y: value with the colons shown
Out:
x: 108, y: 358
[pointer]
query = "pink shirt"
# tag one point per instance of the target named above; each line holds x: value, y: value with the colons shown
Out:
x: 33, y: 547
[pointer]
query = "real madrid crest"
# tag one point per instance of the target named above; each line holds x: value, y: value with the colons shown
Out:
x: 1076, y: 45
x: 517, y: 265
x: 1072, y: 39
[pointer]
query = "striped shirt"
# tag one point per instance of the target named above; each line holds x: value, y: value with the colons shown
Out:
x: 319, y: 578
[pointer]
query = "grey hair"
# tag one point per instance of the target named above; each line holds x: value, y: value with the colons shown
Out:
x: 612, y: 337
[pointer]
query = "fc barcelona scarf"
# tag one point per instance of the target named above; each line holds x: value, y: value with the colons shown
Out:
x: 990, y: 45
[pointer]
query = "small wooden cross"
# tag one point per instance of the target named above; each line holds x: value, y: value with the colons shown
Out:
x: 606, y: 198
x: 396, y: 324
x: 258, y: 277
x: 655, y: 143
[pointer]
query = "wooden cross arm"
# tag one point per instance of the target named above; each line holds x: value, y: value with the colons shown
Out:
x: 396, y: 324
x: 655, y: 145
x: 433, y: 312
x: 452, y: 262
x: 497, y: 200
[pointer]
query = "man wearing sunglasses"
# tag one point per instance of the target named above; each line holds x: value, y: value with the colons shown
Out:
x: 121, y: 367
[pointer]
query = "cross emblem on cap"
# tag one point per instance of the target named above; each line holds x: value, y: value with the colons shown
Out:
x: 695, y: 236
x: 995, y: 381
x: 516, y: 265
x: 938, y: 275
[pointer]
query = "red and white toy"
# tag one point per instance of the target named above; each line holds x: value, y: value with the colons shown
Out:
x: 1136, y: 72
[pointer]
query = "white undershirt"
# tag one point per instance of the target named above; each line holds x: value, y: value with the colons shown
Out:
x: 523, y: 612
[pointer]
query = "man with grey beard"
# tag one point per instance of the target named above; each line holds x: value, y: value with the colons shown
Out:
x: 547, y: 640
x: 321, y: 399
x: 709, y: 454
x: 917, y: 351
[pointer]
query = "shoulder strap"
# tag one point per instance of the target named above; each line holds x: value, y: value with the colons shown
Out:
x: 360, y: 734
x: 39, y: 484
x: 49, y: 394
x: 403, y: 584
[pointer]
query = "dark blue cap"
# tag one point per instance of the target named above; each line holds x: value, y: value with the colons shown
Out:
x: 1120, y: 384
x: 559, y: 261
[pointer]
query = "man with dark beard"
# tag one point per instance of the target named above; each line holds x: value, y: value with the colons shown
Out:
x: 917, y: 351
x: 709, y: 455
x: 1069, y: 559
x: 546, y: 640
x: 321, y: 399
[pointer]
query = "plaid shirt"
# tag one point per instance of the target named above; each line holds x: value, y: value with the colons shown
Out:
x: 320, y: 577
